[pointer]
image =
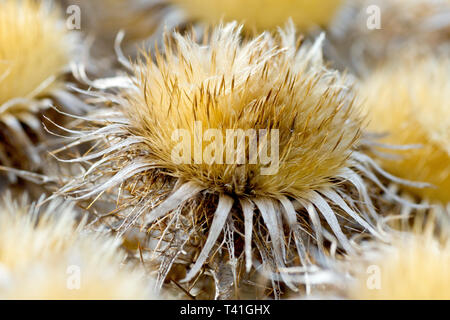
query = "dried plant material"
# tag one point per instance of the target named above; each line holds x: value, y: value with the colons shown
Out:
x: 413, y: 263
x: 409, y: 102
x: 312, y: 196
x: 367, y: 32
x: 415, y: 267
x: 46, y: 254
x: 266, y: 14
x: 36, y: 49
x: 24, y: 71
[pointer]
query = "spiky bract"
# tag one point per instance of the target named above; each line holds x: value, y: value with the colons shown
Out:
x: 409, y: 102
x: 251, y: 86
x: 230, y: 83
x: 46, y: 254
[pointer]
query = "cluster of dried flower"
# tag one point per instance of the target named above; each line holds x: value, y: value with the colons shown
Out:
x: 362, y: 158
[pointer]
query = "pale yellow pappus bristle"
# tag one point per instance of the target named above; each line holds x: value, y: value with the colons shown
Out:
x: 410, y: 102
x: 263, y: 14
x: 33, y: 50
x: 46, y: 254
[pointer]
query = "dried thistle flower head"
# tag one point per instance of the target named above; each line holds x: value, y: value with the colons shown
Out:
x: 263, y: 15
x: 414, y: 268
x: 161, y: 153
x: 367, y: 32
x: 35, y: 50
x: 47, y: 254
x: 413, y: 263
x: 254, y: 86
x: 410, y: 103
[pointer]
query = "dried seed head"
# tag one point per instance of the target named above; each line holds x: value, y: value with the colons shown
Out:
x: 417, y: 267
x: 413, y: 263
x: 194, y: 206
x: 410, y: 102
x: 259, y: 85
x: 263, y: 15
x: 34, y: 49
x: 47, y: 254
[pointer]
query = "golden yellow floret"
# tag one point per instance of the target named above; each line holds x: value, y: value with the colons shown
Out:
x: 263, y: 14
x: 47, y: 254
x: 410, y: 102
x: 33, y: 49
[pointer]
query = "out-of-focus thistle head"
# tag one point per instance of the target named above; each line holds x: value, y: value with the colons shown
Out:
x: 413, y: 264
x: 265, y: 14
x: 35, y: 50
x: 46, y: 254
x: 367, y: 32
x: 414, y: 267
x: 30, y: 35
x: 409, y: 102
x: 248, y: 147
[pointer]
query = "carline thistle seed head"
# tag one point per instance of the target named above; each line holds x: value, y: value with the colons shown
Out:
x: 279, y: 98
x: 36, y: 49
x: 409, y: 102
x: 30, y: 33
x: 227, y: 83
x: 47, y: 253
x: 413, y: 268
